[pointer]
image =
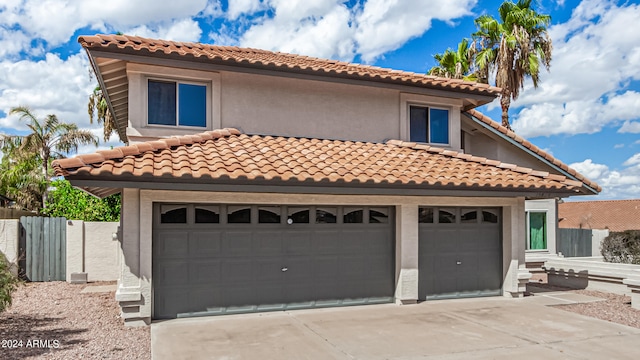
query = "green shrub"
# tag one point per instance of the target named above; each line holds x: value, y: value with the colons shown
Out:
x: 622, y: 247
x: 8, y: 283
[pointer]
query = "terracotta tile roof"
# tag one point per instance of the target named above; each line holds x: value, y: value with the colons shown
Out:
x: 615, y: 215
x: 228, y: 155
x: 503, y: 130
x: 282, y: 61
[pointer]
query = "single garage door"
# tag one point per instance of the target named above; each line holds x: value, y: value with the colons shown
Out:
x: 220, y: 259
x: 460, y: 252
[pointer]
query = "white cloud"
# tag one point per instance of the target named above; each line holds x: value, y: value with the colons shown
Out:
x: 48, y: 86
x: 616, y: 184
x: 385, y: 25
x: 239, y: 7
x: 330, y: 29
x: 55, y: 21
x: 177, y: 30
x: 630, y: 127
x: 595, y: 56
x: 618, y: 146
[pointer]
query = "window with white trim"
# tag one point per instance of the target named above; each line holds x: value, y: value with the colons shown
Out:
x: 536, y: 230
x: 428, y: 125
x: 176, y: 103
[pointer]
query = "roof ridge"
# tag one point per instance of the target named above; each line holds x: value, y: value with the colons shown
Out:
x: 599, y: 201
x: 484, y: 161
x: 304, y: 62
x: 511, y: 134
x: 142, y: 147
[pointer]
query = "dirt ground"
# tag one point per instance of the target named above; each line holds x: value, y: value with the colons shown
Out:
x: 54, y: 320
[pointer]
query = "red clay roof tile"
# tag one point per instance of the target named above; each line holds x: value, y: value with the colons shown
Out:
x: 227, y: 154
x: 615, y: 215
x: 283, y: 61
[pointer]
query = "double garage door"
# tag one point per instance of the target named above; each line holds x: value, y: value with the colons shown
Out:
x: 220, y: 259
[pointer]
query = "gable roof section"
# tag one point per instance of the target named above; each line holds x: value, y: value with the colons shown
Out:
x: 534, y: 150
x: 281, y: 61
x: 615, y: 215
x: 227, y: 156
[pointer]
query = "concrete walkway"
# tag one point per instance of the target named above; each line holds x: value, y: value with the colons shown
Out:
x: 489, y: 328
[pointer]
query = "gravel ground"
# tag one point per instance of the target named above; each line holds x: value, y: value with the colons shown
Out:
x: 616, y: 308
x: 53, y: 320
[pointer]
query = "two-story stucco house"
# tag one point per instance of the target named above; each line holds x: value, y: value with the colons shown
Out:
x: 257, y: 181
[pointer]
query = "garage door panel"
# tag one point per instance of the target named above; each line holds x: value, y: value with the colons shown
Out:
x: 237, y: 243
x: 172, y: 244
x: 204, y: 244
x: 267, y: 243
x: 204, y: 271
x: 460, y: 260
x: 264, y: 269
x: 231, y: 268
x: 237, y: 270
x: 173, y: 272
x: 326, y: 242
x: 297, y: 242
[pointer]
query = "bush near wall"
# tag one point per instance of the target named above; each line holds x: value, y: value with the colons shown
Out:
x: 622, y: 247
x: 8, y: 283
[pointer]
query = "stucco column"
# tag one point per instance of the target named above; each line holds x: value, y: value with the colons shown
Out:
x: 406, y: 254
x: 514, y: 237
x: 129, y: 293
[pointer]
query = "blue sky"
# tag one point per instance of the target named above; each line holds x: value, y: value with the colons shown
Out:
x: 585, y: 112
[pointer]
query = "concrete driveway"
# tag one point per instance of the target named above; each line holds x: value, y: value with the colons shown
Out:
x: 489, y: 328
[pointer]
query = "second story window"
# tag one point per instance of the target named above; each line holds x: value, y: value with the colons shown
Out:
x: 175, y: 103
x: 428, y: 125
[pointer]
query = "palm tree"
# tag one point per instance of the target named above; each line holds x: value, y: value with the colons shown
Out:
x: 455, y: 64
x: 97, y: 106
x: 49, y: 139
x: 513, y: 48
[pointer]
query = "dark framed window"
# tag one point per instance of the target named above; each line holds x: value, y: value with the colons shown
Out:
x: 238, y: 215
x: 326, y: 215
x: 469, y: 216
x: 176, y: 104
x: 425, y: 215
x: 297, y: 215
x: 207, y: 214
x: 353, y: 215
x: 428, y: 125
x: 269, y: 215
x: 378, y: 215
x: 173, y: 214
x: 446, y: 216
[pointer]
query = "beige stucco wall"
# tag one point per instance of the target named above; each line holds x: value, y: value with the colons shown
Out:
x: 135, y: 285
x: 92, y: 248
x: 275, y: 105
x: 9, y: 236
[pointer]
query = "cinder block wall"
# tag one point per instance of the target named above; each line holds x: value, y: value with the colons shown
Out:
x: 93, y: 247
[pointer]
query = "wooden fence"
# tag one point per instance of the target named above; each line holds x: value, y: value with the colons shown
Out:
x: 42, y: 248
x: 574, y: 242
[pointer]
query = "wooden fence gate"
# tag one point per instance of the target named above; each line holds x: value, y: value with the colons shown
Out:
x: 43, y: 248
x: 574, y: 242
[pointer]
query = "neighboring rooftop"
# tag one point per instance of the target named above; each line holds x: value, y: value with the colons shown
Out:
x: 615, y: 215
x: 227, y: 156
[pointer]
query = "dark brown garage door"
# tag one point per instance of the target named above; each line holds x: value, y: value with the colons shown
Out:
x: 460, y: 252
x: 220, y: 259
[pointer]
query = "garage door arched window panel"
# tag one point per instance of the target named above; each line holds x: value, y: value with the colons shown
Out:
x: 269, y: 214
x: 326, y: 215
x: 238, y: 214
x: 207, y: 214
x: 426, y: 215
x: 379, y: 215
x: 490, y: 216
x: 298, y: 215
x: 447, y: 216
x: 353, y: 215
x: 469, y: 216
x: 173, y: 214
